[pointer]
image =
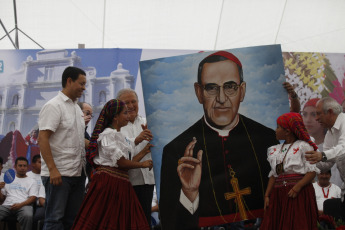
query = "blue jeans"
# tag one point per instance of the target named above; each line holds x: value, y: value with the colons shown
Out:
x: 63, y: 202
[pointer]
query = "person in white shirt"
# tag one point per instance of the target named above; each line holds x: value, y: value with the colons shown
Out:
x: 329, y: 115
x: 324, y: 189
x: 110, y: 202
x: 35, y: 174
x: 318, y: 132
x: 62, y: 145
x: 136, y: 130
x: 19, y: 196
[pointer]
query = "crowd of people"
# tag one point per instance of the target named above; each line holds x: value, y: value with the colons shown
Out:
x: 104, y: 180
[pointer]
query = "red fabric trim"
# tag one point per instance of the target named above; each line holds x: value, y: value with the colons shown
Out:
x: 217, y: 220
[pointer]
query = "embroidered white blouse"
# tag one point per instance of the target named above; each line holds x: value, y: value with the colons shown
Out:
x: 112, y: 145
x: 294, y: 162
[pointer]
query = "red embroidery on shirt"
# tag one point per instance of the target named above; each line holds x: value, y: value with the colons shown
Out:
x: 273, y: 151
x: 295, y: 150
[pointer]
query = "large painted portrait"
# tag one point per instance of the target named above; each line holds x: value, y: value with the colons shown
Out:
x: 217, y: 111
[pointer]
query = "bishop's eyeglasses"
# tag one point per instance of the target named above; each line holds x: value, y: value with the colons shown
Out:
x: 229, y: 88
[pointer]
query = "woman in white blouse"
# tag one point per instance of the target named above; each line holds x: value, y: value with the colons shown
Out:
x: 290, y: 201
x: 111, y: 202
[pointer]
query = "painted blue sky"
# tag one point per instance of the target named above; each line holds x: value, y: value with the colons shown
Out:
x: 171, y: 104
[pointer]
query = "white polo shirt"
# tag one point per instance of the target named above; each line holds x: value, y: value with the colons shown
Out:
x: 65, y: 118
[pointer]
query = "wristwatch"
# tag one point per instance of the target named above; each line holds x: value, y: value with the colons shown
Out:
x: 324, y: 158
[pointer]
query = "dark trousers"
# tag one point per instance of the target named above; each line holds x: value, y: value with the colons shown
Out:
x: 145, y: 195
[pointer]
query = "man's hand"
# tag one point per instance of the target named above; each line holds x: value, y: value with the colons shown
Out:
x: 2, y: 185
x: 145, y: 135
x: 16, y: 206
x: 55, y: 177
x: 313, y: 157
x: 189, y: 171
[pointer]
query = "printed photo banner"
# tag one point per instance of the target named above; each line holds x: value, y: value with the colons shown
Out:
x: 29, y: 78
x: 175, y: 116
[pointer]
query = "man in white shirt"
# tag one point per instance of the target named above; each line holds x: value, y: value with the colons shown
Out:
x: 142, y: 179
x: 329, y: 114
x: 324, y: 189
x: 19, y: 196
x: 62, y: 145
x: 35, y: 174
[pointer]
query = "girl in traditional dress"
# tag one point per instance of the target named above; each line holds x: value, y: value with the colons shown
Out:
x: 111, y: 202
x: 290, y: 198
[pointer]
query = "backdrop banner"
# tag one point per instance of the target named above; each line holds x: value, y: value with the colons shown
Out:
x: 29, y: 78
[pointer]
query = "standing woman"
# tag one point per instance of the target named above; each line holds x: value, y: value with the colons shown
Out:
x: 290, y: 201
x: 111, y: 202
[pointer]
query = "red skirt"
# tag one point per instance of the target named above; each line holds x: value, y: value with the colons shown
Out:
x: 285, y: 213
x: 110, y: 203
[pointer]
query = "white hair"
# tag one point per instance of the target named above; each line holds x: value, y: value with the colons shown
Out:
x: 126, y: 90
x: 330, y: 103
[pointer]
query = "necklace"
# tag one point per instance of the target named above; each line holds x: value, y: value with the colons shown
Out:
x: 280, y: 166
x: 232, y: 172
x: 323, y: 191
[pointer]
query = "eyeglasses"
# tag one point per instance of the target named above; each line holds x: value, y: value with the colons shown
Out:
x: 230, y: 89
x: 88, y: 113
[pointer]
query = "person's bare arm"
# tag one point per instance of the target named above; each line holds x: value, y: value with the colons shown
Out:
x: 2, y: 197
x: 142, y: 153
x: 41, y: 201
x: 295, y: 104
x: 125, y: 164
x: 155, y: 208
x: 308, y: 178
x: 29, y: 201
x: 270, y: 185
x: 55, y: 176
x: 87, y: 142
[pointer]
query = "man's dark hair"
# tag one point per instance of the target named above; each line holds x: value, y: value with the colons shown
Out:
x: 213, y: 59
x: 35, y: 158
x: 21, y: 159
x: 71, y: 72
x: 1, y: 161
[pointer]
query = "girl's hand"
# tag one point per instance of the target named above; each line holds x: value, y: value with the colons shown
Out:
x: 294, y: 191
x: 147, y: 164
x: 267, y: 202
x: 147, y: 149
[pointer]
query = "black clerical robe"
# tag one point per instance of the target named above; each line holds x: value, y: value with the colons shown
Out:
x: 244, y: 150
